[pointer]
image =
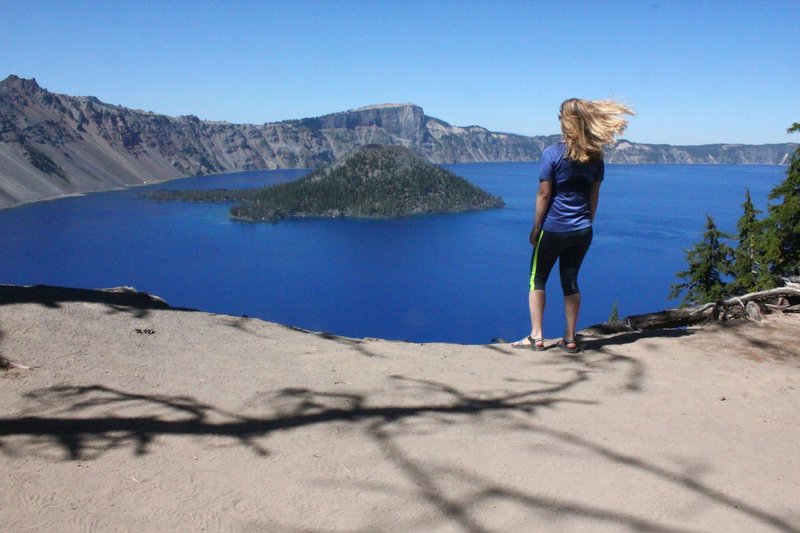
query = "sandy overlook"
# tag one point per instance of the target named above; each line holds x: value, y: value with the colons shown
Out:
x: 135, y: 416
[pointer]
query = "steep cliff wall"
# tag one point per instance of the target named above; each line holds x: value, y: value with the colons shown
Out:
x: 53, y: 144
x: 711, y: 154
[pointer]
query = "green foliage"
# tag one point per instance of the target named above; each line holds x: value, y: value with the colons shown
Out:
x: 614, y: 316
x: 782, y: 247
x: 41, y: 161
x: 750, y: 267
x: 709, y: 261
x: 376, y: 181
x: 766, y: 249
x: 214, y: 196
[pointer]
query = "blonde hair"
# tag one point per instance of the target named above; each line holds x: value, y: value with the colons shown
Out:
x: 588, y: 125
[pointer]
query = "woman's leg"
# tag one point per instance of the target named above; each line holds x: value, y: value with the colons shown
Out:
x: 536, y: 303
x: 543, y: 258
x: 569, y: 265
x: 572, y: 306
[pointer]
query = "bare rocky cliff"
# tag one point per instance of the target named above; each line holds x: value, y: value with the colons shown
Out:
x: 704, y: 154
x: 53, y: 144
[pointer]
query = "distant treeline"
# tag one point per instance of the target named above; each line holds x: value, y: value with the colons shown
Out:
x: 216, y: 196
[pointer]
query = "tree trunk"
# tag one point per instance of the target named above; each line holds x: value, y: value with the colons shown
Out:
x: 735, y: 307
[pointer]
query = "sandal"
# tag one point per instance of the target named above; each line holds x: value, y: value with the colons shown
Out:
x: 565, y: 345
x: 536, y: 345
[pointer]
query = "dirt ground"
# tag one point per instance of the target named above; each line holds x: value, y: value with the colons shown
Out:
x: 136, y: 417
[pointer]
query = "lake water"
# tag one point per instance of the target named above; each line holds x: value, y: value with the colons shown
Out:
x: 456, y: 278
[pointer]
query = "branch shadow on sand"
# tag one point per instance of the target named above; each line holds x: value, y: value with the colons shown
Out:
x: 750, y: 335
x: 486, y: 492
x: 84, y: 422
x: 82, y: 435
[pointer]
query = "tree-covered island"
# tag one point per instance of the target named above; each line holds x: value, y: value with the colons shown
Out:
x: 375, y: 181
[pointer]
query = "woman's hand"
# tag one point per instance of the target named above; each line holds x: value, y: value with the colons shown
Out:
x: 533, y: 238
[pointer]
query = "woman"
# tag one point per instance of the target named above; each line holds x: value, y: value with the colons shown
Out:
x: 566, y: 203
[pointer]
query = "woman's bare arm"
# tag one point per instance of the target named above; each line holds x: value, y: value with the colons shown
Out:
x: 594, y: 198
x: 543, y: 197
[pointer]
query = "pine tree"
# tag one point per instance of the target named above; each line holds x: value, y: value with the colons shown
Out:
x: 750, y: 269
x: 708, y: 261
x: 614, y: 316
x: 783, y: 222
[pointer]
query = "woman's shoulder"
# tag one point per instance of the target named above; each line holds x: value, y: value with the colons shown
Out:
x: 557, y: 147
x: 554, y: 151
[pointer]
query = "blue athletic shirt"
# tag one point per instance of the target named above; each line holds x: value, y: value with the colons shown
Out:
x: 572, y: 182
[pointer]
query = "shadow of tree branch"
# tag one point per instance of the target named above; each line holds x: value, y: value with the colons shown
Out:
x: 186, y: 416
x: 783, y: 348
x: 683, y: 480
x: 137, y: 420
x: 484, y: 491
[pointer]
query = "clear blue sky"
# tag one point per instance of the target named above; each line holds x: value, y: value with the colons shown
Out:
x: 695, y: 71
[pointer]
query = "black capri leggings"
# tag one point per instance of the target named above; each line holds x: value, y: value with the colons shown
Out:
x: 569, y: 248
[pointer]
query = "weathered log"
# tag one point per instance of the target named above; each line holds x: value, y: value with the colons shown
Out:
x: 6, y: 364
x: 788, y: 293
x: 735, y: 307
x: 792, y: 281
x: 753, y: 311
x: 671, y: 318
x: 775, y: 307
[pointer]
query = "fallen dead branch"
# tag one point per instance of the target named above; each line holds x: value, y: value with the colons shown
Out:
x: 750, y: 306
x: 5, y: 364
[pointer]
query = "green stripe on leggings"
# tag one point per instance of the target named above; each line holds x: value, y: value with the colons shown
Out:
x: 535, y: 259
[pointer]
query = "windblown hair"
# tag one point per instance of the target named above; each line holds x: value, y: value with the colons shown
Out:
x: 588, y: 125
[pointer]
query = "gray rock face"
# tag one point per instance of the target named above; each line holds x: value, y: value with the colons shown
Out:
x: 53, y: 144
x: 710, y: 154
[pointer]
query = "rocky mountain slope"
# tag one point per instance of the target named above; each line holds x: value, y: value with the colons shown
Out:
x: 705, y: 154
x: 53, y: 144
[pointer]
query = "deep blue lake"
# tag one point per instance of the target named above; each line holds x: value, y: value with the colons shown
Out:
x: 455, y: 278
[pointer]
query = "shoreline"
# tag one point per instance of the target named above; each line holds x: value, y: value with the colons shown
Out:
x: 134, y: 185
x: 669, y: 319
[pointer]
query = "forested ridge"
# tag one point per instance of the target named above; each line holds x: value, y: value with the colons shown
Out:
x: 374, y: 181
